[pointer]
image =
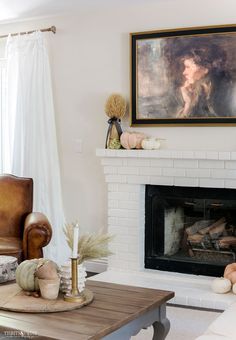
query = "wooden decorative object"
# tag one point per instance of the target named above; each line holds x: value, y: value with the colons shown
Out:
x: 117, y: 312
x: 13, y: 298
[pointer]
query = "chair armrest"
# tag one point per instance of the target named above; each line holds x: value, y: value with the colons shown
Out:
x: 37, y: 234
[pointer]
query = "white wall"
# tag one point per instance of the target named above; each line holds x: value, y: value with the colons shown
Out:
x: 90, y: 60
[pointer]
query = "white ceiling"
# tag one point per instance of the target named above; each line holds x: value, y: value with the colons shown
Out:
x: 11, y: 10
x: 16, y: 10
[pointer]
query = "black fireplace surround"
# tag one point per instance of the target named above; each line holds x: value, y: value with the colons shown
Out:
x: 190, y: 229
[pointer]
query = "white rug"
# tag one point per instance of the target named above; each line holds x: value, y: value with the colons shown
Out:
x: 185, y: 324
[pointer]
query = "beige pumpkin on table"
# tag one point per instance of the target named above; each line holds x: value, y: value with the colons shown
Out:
x: 29, y: 271
x: 25, y: 275
x: 47, y: 270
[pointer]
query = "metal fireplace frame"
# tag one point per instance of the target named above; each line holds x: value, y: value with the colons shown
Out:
x: 154, y: 237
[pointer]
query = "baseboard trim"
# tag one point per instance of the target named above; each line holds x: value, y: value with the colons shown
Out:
x: 96, y: 266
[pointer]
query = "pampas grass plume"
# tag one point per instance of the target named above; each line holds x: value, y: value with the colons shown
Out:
x: 90, y: 246
x: 115, y: 106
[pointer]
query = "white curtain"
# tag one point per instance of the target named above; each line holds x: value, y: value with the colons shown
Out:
x: 4, y: 145
x: 31, y: 133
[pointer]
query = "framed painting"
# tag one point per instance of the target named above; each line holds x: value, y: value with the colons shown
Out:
x: 184, y: 76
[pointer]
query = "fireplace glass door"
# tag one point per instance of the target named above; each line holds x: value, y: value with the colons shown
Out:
x: 190, y: 230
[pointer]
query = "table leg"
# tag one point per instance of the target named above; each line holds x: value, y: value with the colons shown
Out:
x: 161, y: 325
x: 156, y: 318
x: 161, y: 329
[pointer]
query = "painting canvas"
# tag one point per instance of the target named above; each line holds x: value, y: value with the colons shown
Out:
x: 184, y: 76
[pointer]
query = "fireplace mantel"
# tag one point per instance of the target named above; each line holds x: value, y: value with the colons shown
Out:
x: 166, y: 153
x: 170, y: 167
x: 127, y: 172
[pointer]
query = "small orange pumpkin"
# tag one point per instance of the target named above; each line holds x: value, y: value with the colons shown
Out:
x: 230, y: 272
x: 132, y: 140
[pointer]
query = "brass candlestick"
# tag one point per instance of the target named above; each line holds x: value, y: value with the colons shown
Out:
x: 74, y: 295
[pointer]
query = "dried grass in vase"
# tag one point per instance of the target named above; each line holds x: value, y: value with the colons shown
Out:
x: 90, y: 246
x: 115, y: 108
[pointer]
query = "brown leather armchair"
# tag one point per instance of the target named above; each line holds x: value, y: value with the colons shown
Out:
x: 23, y: 233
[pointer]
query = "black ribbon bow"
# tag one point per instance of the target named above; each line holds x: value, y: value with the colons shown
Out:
x: 116, y: 122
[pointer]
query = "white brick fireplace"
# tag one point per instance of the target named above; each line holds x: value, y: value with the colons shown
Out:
x: 126, y: 173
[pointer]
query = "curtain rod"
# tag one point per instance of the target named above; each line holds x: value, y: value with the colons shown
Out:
x: 49, y: 29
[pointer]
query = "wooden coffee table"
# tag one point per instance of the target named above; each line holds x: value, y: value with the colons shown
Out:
x: 116, y: 313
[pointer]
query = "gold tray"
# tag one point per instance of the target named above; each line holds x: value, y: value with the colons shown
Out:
x: 13, y: 298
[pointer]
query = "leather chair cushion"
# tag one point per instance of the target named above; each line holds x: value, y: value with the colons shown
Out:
x: 11, y: 246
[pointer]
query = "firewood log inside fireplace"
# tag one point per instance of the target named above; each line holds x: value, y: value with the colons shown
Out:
x: 217, y: 231
x: 227, y: 241
x: 211, y: 226
x: 208, y: 234
x: 196, y: 238
x: 197, y: 226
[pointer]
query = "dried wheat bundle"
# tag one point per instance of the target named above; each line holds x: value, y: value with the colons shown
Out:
x: 69, y: 233
x: 93, y: 246
x: 90, y: 246
x: 115, y: 106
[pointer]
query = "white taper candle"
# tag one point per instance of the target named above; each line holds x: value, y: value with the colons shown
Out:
x: 75, y: 241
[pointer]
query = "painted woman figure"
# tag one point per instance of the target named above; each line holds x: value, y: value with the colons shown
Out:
x: 206, y: 90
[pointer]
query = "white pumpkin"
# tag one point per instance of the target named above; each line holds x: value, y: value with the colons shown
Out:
x: 221, y: 285
x: 151, y: 143
x: 234, y: 288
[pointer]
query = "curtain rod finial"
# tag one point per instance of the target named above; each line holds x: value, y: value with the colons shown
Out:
x: 53, y: 29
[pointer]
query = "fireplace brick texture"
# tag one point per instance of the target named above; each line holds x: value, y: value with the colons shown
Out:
x: 126, y: 174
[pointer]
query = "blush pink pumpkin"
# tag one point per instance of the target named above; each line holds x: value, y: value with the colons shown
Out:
x: 230, y: 272
x: 132, y: 140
